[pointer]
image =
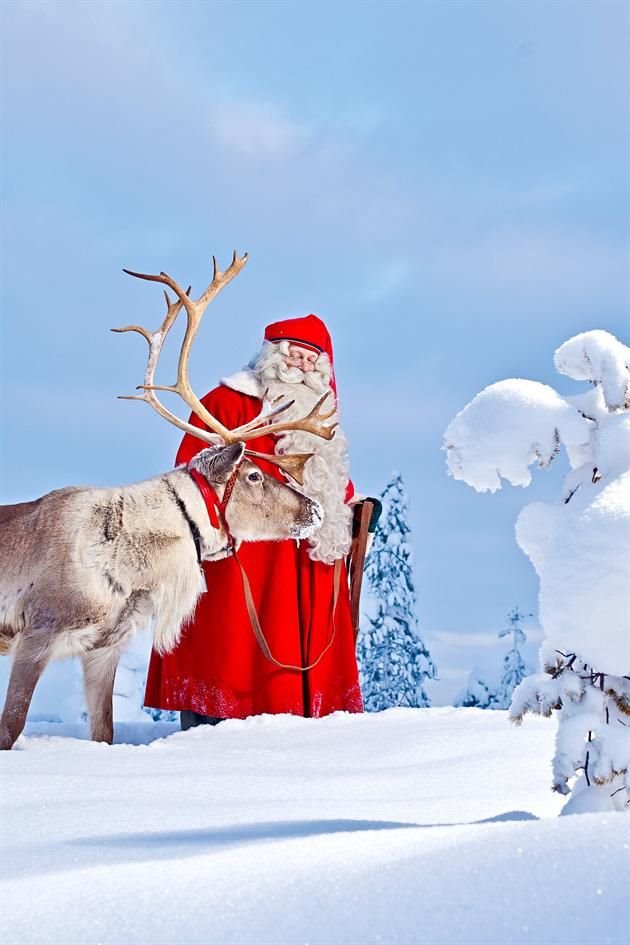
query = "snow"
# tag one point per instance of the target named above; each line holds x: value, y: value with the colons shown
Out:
x: 408, y: 826
x: 581, y: 552
x: 506, y: 428
x: 579, y: 546
x: 599, y: 357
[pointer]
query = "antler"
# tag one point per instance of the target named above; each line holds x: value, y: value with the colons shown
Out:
x: 313, y: 422
x: 262, y: 425
x: 194, y: 311
x: 291, y: 463
x: 155, y: 340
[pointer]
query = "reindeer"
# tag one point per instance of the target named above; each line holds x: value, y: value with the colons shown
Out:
x: 81, y: 569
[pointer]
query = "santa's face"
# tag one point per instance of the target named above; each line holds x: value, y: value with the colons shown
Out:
x: 299, y: 375
x: 293, y: 364
x: 302, y: 358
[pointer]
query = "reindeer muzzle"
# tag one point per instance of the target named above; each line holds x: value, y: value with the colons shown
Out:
x: 313, y: 518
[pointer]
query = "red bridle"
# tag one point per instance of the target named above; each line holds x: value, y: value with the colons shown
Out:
x: 216, y: 507
x: 216, y: 512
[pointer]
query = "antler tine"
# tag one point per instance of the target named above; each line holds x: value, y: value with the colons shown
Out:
x: 262, y: 418
x: 292, y: 464
x: 142, y: 331
x: 221, y: 279
x: 313, y: 423
x: 165, y: 279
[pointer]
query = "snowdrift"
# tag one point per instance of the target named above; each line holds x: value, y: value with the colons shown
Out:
x: 410, y: 826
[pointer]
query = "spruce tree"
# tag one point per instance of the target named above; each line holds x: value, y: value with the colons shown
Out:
x: 393, y: 659
x: 514, y: 668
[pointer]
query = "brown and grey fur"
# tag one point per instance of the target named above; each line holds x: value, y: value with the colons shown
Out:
x: 81, y: 569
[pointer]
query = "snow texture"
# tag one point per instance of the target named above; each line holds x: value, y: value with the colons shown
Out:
x: 427, y: 826
x: 599, y: 357
x: 579, y: 546
x: 131, y: 677
x: 508, y: 427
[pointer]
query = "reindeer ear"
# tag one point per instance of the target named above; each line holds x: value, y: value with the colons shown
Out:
x: 217, y: 463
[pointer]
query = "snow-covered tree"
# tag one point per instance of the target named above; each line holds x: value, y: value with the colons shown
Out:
x: 514, y: 667
x: 481, y: 694
x: 477, y: 694
x: 393, y: 659
x: 579, y: 546
x: 131, y: 677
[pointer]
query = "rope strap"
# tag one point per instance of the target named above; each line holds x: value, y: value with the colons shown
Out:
x: 216, y: 512
x: 260, y: 636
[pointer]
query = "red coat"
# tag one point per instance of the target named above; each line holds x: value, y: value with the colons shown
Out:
x: 218, y: 668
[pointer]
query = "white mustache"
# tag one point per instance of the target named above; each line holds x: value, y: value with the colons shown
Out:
x: 293, y: 375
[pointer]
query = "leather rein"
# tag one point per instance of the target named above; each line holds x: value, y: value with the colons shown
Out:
x: 216, y: 513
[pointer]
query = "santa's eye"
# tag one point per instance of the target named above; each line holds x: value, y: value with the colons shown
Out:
x: 254, y: 477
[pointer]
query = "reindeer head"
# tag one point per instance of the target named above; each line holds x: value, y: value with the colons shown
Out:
x: 258, y: 506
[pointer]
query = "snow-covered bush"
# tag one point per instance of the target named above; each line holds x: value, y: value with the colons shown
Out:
x: 393, y: 659
x: 480, y: 693
x: 477, y: 694
x: 579, y: 546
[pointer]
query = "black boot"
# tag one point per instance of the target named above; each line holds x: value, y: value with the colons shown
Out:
x: 189, y: 719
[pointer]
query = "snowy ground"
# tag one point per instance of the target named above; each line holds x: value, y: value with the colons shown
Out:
x: 412, y: 826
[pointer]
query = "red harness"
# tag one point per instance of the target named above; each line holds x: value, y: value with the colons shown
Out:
x: 216, y: 512
x: 216, y: 508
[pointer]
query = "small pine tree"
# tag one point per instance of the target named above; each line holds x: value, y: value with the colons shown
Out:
x: 393, y: 659
x: 477, y: 695
x: 514, y: 667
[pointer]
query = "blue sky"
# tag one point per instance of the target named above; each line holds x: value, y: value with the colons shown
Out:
x: 446, y: 184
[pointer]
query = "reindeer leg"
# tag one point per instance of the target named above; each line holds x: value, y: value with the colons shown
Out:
x: 29, y: 662
x: 99, y: 670
x: 99, y: 664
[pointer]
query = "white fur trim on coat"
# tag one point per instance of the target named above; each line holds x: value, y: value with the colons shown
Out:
x: 245, y: 382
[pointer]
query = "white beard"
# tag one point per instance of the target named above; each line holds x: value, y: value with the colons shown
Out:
x: 326, y: 473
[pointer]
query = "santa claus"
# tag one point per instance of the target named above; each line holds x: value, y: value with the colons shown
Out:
x: 218, y: 670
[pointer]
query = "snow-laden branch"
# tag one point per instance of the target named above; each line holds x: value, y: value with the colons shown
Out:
x: 599, y: 357
x: 508, y: 427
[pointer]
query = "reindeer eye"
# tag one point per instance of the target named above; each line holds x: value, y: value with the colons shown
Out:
x: 255, y: 477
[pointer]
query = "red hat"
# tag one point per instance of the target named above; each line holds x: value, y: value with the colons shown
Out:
x: 308, y: 331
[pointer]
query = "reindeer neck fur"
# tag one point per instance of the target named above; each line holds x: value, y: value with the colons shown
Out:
x: 149, y: 546
x: 108, y: 547
x: 132, y: 510
x: 184, y: 583
x: 214, y: 542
